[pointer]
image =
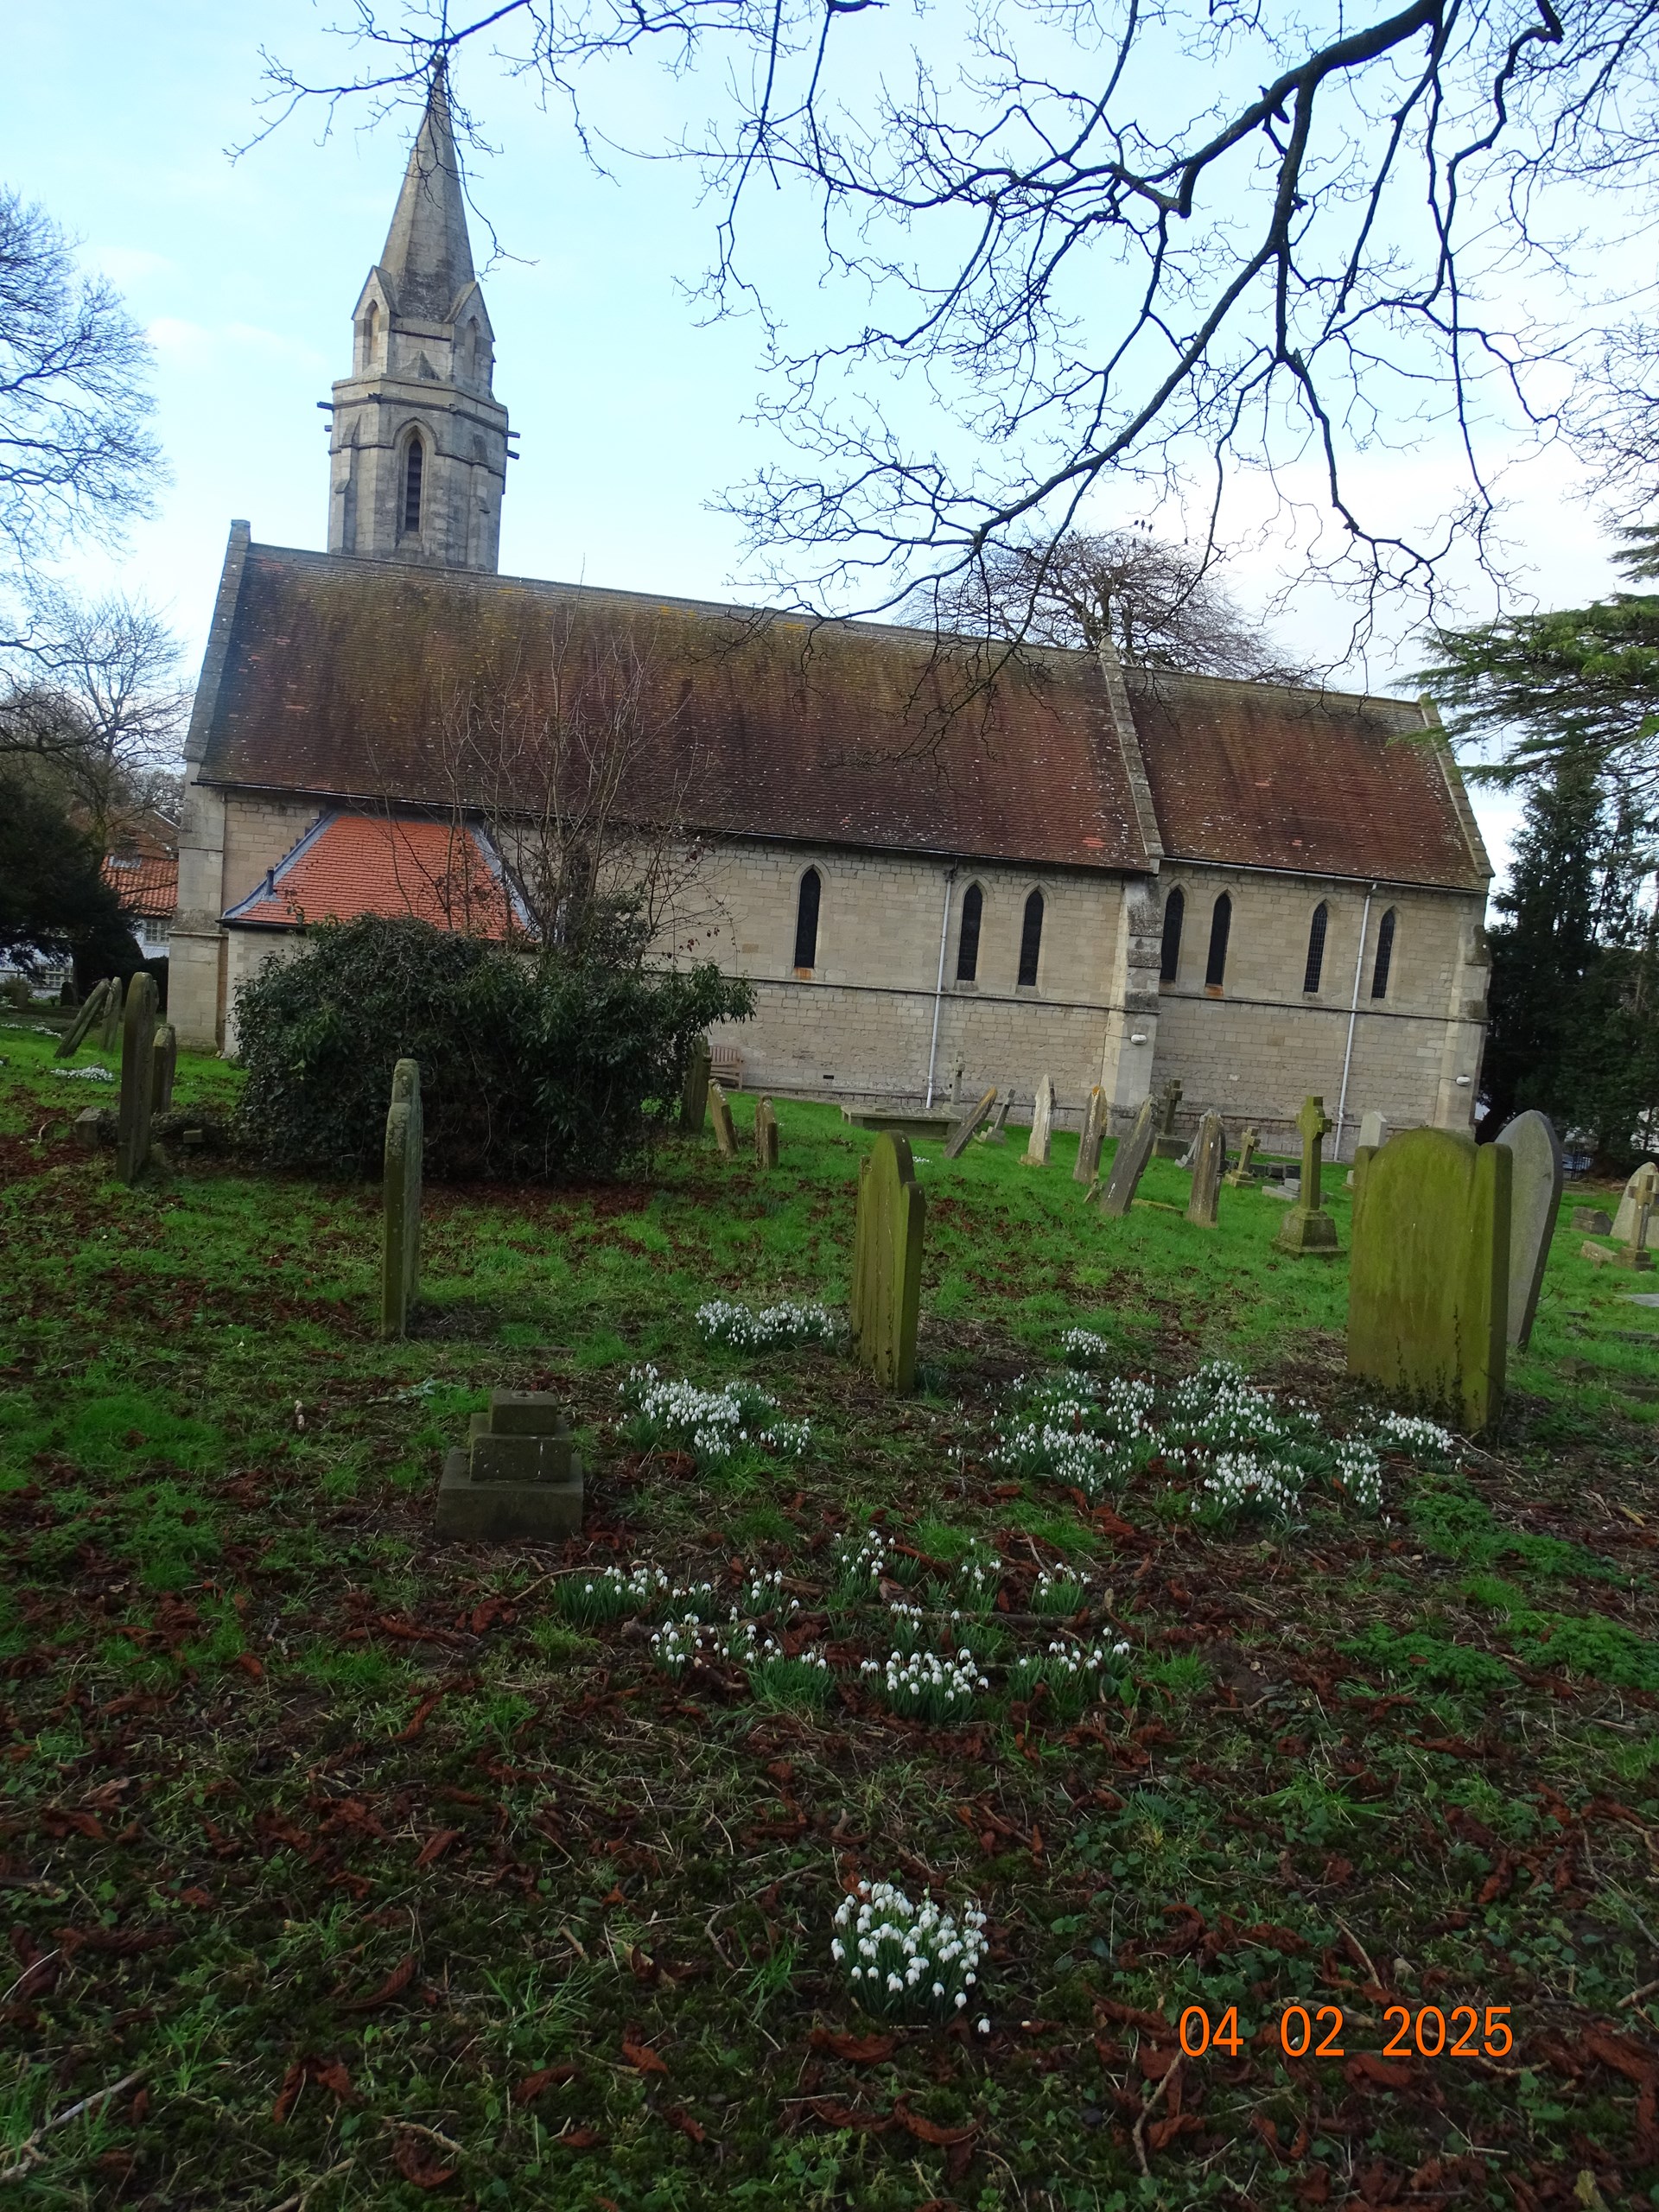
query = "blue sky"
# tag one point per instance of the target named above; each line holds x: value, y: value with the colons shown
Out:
x: 632, y: 416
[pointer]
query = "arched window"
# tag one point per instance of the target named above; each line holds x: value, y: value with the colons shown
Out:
x: 1175, y: 914
x: 370, y: 333
x: 973, y: 909
x: 414, y: 461
x: 1316, y: 947
x: 1221, y: 922
x: 806, y: 919
x: 1031, y: 939
x: 1384, y: 956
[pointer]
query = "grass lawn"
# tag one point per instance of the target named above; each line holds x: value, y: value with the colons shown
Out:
x: 365, y: 1870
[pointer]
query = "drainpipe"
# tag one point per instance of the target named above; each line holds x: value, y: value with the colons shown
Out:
x: 938, y: 988
x: 1353, y: 1016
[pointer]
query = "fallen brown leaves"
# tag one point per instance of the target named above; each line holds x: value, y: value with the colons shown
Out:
x: 328, y: 2074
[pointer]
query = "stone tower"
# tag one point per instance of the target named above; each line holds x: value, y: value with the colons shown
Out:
x: 419, y: 450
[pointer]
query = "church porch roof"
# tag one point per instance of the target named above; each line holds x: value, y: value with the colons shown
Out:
x: 348, y: 864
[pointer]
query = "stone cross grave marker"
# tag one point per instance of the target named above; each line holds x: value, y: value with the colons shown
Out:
x: 1429, y: 1277
x: 1624, y: 1220
x: 165, y: 1052
x: 997, y: 1134
x: 725, y: 1131
x: 137, y: 1075
x: 1167, y: 1145
x: 1307, y: 1227
x: 1203, y: 1206
x: 1092, y: 1138
x: 888, y: 1264
x: 694, y: 1092
x: 1244, y: 1171
x: 517, y: 1478
x: 1042, y: 1124
x: 92, y: 1012
x: 956, y: 1143
x: 113, y: 999
x: 1534, y: 1203
x: 766, y: 1134
x: 1129, y: 1162
x: 400, y: 1201
x: 1643, y: 1199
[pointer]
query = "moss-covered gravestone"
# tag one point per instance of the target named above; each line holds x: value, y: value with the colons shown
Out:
x: 694, y: 1094
x: 1642, y: 1199
x: 888, y: 1264
x: 518, y: 1476
x: 400, y: 1215
x: 1042, y: 1124
x: 92, y: 1012
x: 164, y: 1062
x: 725, y: 1129
x: 1129, y: 1162
x: 1429, y: 1277
x: 766, y: 1134
x: 1089, y: 1142
x: 137, y: 1075
x: 1307, y: 1227
x: 1624, y: 1220
x: 114, y: 1005
x: 1203, y: 1206
x: 1243, y: 1170
x: 956, y: 1143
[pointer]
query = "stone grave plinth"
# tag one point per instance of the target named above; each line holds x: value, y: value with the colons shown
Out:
x: 516, y: 1477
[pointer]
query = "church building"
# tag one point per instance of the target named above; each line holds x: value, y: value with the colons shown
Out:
x: 943, y: 868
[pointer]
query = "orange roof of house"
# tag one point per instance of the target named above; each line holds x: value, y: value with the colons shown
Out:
x: 148, y: 883
x: 350, y: 864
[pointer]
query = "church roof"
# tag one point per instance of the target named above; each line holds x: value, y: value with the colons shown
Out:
x: 428, y: 256
x: 347, y: 679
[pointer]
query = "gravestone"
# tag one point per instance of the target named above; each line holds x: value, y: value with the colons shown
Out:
x: 1623, y: 1219
x: 92, y: 1012
x: 766, y: 1134
x: 1593, y: 1219
x: 997, y: 1134
x: 1168, y: 1146
x: 113, y: 997
x: 1244, y: 1172
x: 956, y: 1088
x: 400, y: 1201
x: 1042, y: 1124
x: 725, y: 1131
x: 956, y: 1142
x: 1429, y: 1277
x: 1092, y: 1136
x: 517, y: 1478
x: 165, y: 1067
x: 138, y: 1074
x: 1203, y: 1206
x: 1373, y: 1129
x: 1642, y: 1197
x: 1534, y: 1201
x: 1600, y: 1255
x: 888, y: 1264
x: 694, y: 1091
x: 1307, y: 1227
x: 1129, y: 1163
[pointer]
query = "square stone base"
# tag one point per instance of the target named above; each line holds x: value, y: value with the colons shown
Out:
x: 1169, y: 1148
x: 503, y: 1512
x: 1305, y: 1232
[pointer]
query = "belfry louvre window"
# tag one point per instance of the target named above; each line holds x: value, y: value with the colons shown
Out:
x: 412, y: 466
x: 973, y: 911
x: 1221, y: 922
x: 1031, y: 939
x: 1315, y: 966
x: 806, y: 919
x: 1384, y: 956
x: 1175, y: 914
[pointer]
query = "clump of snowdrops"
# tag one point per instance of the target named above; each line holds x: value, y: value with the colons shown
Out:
x: 907, y: 1960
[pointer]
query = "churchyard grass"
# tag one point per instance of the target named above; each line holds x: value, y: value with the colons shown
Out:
x: 349, y: 1861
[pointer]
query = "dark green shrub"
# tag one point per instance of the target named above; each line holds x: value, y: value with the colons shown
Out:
x: 531, y: 1068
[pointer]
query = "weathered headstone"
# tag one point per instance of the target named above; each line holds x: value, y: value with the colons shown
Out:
x: 400, y: 1201
x: 165, y: 1067
x: 1092, y: 1136
x: 87, y: 1128
x: 1534, y: 1201
x: 1042, y: 1124
x: 516, y: 1477
x: 1593, y: 1219
x: 1624, y: 1218
x: 114, y: 999
x: 1600, y: 1255
x: 1244, y: 1172
x: 1429, y: 1280
x: 138, y: 1074
x: 92, y: 1011
x: 766, y: 1134
x: 1373, y: 1129
x: 725, y: 1129
x: 1168, y: 1146
x: 1642, y: 1197
x: 955, y: 1087
x: 1307, y: 1227
x: 956, y: 1143
x: 997, y: 1134
x: 888, y: 1264
x: 694, y: 1091
x: 1129, y: 1162
x: 1203, y: 1205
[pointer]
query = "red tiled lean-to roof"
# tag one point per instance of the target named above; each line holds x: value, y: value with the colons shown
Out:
x: 360, y: 680
x: 349, y: 864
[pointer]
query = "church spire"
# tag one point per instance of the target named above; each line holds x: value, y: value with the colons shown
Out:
x: 419, y: 440
x: 428, y: 256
